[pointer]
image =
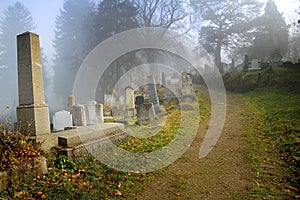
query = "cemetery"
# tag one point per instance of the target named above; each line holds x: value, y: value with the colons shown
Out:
x: 129, y: 103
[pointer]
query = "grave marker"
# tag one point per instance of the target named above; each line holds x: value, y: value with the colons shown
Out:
x: 32, y: 107
x: 62, y: 119
x: 153, y: 98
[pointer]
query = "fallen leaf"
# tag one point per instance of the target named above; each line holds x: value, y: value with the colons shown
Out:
x: 43, y: 196
x: 117, y: 193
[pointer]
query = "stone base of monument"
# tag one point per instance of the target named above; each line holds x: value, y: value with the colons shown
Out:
x: 81, y: 143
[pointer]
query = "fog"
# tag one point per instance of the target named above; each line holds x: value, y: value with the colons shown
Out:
x: 256, y: 28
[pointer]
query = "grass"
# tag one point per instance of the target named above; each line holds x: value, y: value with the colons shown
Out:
x: 273, y: 137
x: 93, y: 180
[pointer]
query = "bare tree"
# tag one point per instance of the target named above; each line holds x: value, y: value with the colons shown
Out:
x: 162, y: 13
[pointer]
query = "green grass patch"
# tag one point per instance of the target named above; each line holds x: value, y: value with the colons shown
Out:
x: 273, y: 135
x: 93, y: 180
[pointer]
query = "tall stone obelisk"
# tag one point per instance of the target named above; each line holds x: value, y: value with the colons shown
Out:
x: 33, y: 112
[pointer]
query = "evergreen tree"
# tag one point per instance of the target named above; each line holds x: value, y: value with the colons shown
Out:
x: 74, y: 39
x: 114, y: 16
x: 16, y: 20
x: 272, y: 39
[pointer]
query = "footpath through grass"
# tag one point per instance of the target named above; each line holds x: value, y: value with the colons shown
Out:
x: 273, y: 134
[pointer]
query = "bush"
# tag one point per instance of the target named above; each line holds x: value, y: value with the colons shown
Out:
x: 15, y: 148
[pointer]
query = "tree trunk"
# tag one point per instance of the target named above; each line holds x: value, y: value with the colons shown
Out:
x: 218, y: 56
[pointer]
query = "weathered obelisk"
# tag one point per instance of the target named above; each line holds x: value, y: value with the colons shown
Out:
x: 33, y: 112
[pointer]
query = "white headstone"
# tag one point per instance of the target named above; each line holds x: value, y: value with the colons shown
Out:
x: 79, y: 118
x: 62, y: 119
x: 90, y: 112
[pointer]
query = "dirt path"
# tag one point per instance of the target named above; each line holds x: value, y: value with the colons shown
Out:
x: 223, y: 174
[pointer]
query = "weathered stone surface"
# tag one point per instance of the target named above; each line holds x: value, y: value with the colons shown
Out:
x: 32, y: 108
x: 90, y: 112
x: 91, y: 140
x: 71, y: 103
x: 153, y: 98
x: 40, y: 164
x: 79, y: 118
x: 99, y: 113
x: 145, y: 113
x: 83, y: 134
x: 62, y: 119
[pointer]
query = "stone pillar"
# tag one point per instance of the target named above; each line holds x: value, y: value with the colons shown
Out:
x: 99, y: 113
x: 71, y: 103
x: 32, y: 107
x: 163, y: 79
x: 129, y: 101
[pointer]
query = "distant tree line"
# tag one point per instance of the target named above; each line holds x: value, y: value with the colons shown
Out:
x: 226, y: 28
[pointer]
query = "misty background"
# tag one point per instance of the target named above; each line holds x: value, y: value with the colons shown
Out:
x: 70, y: 29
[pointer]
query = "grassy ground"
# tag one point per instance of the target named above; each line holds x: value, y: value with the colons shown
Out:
x: 272, y: 134
x: 93, y: 180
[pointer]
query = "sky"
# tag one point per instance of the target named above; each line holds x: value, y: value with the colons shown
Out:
x: 44, y: 13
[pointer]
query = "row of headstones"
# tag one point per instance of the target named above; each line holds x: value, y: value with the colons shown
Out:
x: 78, y: 115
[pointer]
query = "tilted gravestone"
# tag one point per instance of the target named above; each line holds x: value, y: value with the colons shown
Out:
x: 32, y: 107
x: 152, y: 92
x: 62, y: 119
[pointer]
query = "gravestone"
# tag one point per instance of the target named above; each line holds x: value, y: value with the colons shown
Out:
x: 139, y: 100
x: 187, y: 90
x: 99, y: 113
x: 254, y: 65
x: 78, y: 113
x: 163, y: 79
x: 187, y: 85
x: 145, y: 113
x: 152, y: 92
x: 32, y: 107
x: 246, y: 63
x: 62, y: 119
x: 129, y: 101
x: 71, y: 103
x: 90, y: 112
